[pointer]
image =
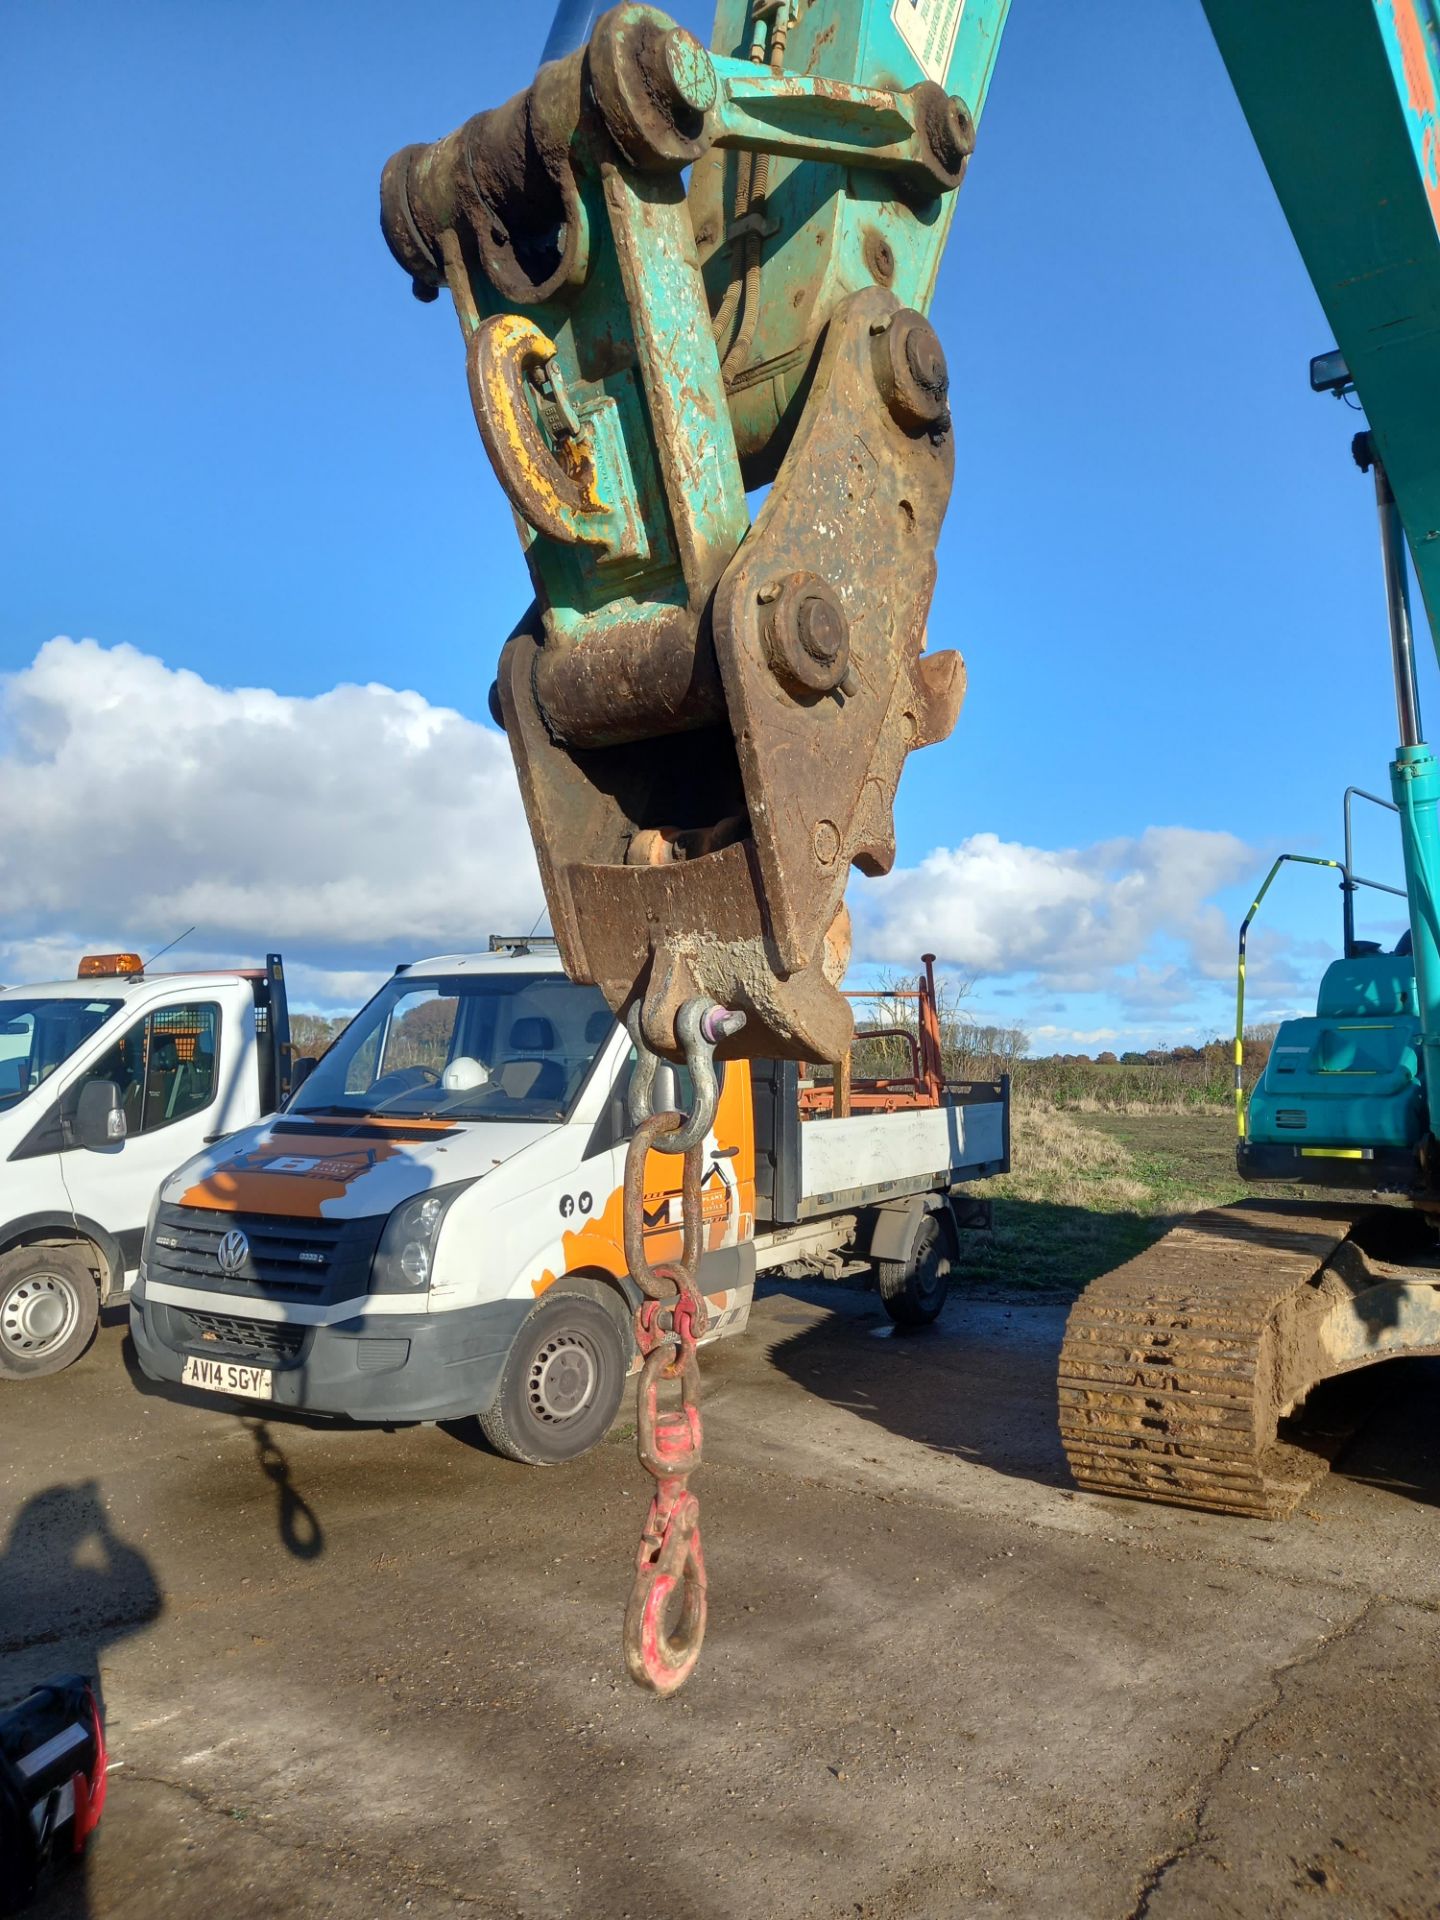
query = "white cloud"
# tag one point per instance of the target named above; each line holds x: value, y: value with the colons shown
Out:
x: 310, y: 986
x: 364, y: 825
x: 1081, y: 919
x: 360, y: 825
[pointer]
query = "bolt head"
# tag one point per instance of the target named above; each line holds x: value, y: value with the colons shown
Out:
x: 926, y: 360
x: 821, y: 628
x: 949, y: 131
x: 826, y: 842
x: 806, y: 635
x: 879, y: 257
x: 911, y: 373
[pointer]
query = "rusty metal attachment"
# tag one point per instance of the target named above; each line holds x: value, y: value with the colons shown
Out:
x: 709, y: 719
x: 862, y: 495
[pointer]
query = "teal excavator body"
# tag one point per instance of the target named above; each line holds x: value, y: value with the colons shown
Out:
x: 1350, y: 1095
x: 1341, y: 1102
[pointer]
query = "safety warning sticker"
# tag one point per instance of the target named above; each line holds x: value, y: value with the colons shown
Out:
x: 928, y: 28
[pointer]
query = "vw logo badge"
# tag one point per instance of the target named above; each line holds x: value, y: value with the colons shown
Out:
x: 233, y: 1252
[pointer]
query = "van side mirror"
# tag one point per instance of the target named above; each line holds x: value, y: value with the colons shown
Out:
x: 300, y: 1072
x: 99, y: 1115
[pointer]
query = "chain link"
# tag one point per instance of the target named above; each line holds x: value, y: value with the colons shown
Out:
x: 660, y: 1652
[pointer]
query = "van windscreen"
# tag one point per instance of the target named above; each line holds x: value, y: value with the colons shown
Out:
x: 485, y: 1046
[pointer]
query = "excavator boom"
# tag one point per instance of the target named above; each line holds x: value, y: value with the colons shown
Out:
x: 1343, y: 100
x: 709, y: 716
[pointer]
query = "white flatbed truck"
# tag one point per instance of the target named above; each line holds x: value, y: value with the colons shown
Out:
x: 432, y: 1227
x: 107, y: 1082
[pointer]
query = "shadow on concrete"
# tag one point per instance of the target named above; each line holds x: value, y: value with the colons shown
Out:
x: 978, y: 1385
x: 301, y: 1533
x: 68, y: 1581
x: 70, y: 1588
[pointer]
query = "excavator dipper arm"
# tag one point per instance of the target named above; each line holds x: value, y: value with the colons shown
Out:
x: 709, y: 718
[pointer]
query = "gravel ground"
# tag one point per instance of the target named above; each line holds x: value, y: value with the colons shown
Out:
x: 354, y: 1672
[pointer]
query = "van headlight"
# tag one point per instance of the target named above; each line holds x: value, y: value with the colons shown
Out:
x: 406, y: 1253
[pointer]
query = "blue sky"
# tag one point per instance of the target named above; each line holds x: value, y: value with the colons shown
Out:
x: 236, y: 445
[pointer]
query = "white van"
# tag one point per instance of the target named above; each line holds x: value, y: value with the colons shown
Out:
x: 432, y: 1228
x: 107, y: 1082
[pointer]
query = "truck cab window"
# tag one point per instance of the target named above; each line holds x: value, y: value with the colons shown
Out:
x: 165, y: 1067
x: 420, y: 1032
x: 493, y: 1046
x: 39, y: 1035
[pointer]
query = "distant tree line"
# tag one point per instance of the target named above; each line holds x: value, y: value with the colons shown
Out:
x: 311, y: 1033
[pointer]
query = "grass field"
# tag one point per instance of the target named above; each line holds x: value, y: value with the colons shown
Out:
x: 1089, y: 1190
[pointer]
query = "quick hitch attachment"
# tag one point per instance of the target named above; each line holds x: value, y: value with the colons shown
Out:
x: 709, y: 719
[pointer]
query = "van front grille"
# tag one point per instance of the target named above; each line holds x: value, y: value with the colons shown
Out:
x: 315, y: 1261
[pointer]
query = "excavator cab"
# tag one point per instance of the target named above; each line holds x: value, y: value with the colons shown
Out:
x: 1340, y: 1102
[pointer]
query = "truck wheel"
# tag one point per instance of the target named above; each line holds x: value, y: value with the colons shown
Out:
x: 562, y: 1383
x: 49, y: 1305
x: 915, y: 1290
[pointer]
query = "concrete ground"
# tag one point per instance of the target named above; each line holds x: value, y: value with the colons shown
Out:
x: 364, y: 1673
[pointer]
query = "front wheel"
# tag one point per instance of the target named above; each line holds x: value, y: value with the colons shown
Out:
x: 49, y: 1305
x: 915, y: 1290
x: 562, y: 1383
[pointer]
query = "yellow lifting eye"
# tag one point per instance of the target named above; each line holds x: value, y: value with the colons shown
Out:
x: 509, y: 360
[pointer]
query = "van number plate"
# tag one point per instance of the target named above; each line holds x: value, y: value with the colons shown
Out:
x: 229, y: 1376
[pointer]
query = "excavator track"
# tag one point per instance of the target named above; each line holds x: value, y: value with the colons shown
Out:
x: 1174, y: 1367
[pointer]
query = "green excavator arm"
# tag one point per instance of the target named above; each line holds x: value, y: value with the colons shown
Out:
x: 1343, y: 100
x: 709, y: 716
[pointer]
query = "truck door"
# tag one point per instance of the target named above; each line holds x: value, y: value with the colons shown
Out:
x: 168, y: 1066
x: 727, y: 1176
